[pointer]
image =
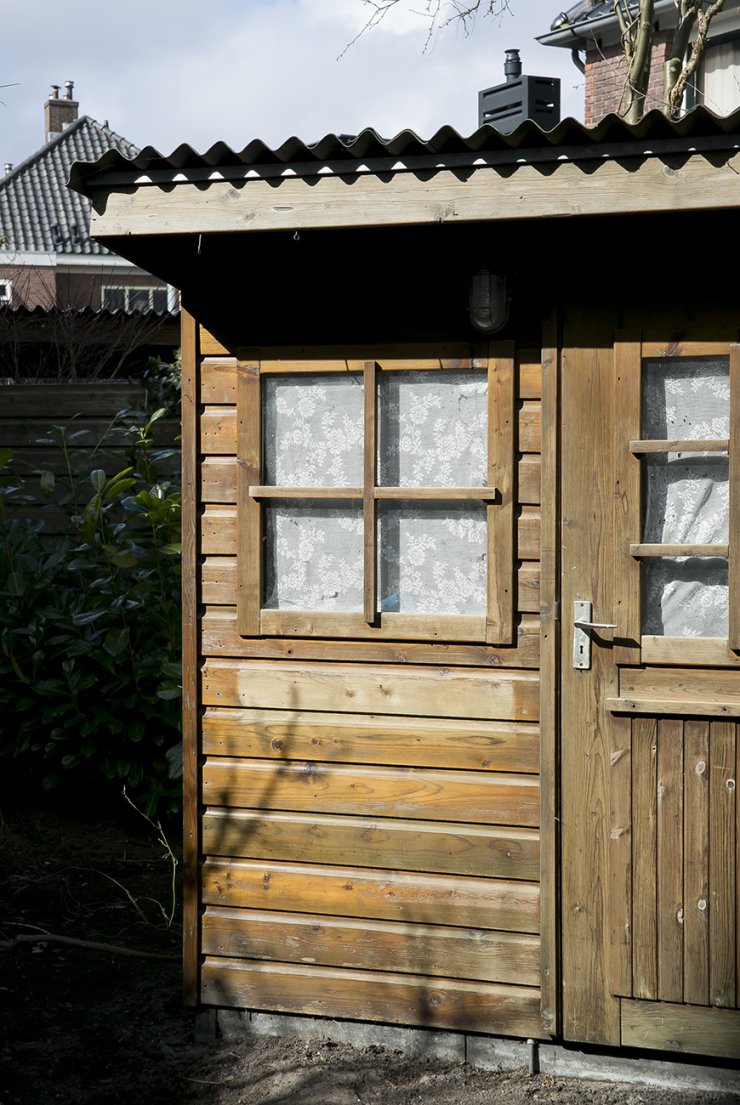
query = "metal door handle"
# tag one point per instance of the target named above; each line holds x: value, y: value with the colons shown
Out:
x: 581, y: 636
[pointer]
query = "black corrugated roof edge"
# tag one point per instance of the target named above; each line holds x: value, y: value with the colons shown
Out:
x: 698, y: 123
x: 39, y: 312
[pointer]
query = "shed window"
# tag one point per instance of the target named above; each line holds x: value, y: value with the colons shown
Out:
x: 675, y: 518
x: 379, y: 499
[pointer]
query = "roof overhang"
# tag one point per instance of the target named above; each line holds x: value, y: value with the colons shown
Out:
x: 583, y: 34
x: 572, y: 171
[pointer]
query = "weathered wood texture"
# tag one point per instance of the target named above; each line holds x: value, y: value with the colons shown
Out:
x: 481, y: 798
x: 288, y: 203
x: 442, y: 951
x: 352, y: 817
x: 674, y: 885
x: 372, y: 996
x: 365, y: 892
x: 681, y: 1028
x: 453, y: 849
x: 190, y: 649
x: 373, y: 689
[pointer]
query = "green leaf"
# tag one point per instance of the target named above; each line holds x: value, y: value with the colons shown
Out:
x: 47, y: 484
x: 174, y: 549
x: 170, y: 692
x: 5, y: 456
x: 17, y: 670
x: 174, y: 760
x: 124, y: 560
x: 116, y: 641
x: 118, y: 488
x: 97, y: 479
x: 49, y: 782
x: 15, y: 584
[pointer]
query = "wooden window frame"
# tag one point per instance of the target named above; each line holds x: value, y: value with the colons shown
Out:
x: 631, y: 646
x: 496, y: 626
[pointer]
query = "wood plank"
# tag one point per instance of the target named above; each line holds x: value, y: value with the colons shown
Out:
x: 356, y: 738
x: 269, y: 491
x: 688, y: 343
x: 218, y: 420
x: 529, y: 373
x: 737, y: 877
x: 218, y: 381
x: 529, y: 525
x: 696, y: 863
x: 219, y: 583
x: 438, y: 950
x: 439, y: 493
x: 589, y: 1012
x: 219, y: 530
x: 249, y: 513
x: 57, y: 404
x: 423, y: 692
x: 210, y: 346
x: 372, y: 996
x: 708, y: 651
x: 644, y: 858
x: 670, y: 911
x: 219, y: 479
x: 722, y: 864
x: 627, y: 496
x: 451, y: 849
x: 734, y: 504
x: 220, y: 638
x: 549, y: 675
x: 681, y: 1028
x: 383, y: 895
x: 369, y: 509
x: 715, y: 445
x: 620, y: 856
x: 367, y: 199
x: 529, y: 420
x: 393, y: 626
x: 671, y: 706
x: 500, y: 518
x: 483, y: 798
x: 681, y: 684
x: 190, y: 647
x: 678, y: 550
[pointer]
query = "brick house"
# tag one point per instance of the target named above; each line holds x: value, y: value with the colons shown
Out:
x: 590, y: 31
x: 47, y: 258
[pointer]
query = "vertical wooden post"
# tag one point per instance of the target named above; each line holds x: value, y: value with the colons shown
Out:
x: 644, y: 858
x: 501, y: 475
x: 190, y: 656
x: 620, y: 855
x: 696, y: 863
x: 248, y: 510
x: 368, y: 495
x: 549, y: 675
x: 734, y: 527
x: 627, y: 516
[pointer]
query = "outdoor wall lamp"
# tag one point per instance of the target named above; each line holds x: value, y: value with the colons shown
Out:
x: 489, y: 301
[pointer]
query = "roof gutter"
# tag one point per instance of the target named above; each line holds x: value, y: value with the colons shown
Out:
x: 580, y: 35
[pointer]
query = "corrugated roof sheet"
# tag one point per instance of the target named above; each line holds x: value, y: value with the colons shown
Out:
x: 698, y: 124
x: 37, y: 211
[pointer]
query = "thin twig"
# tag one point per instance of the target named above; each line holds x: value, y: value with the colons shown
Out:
x: 6, y: 945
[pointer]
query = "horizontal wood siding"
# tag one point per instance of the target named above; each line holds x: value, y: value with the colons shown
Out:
x: 674, y: 861
x: 371, y: 807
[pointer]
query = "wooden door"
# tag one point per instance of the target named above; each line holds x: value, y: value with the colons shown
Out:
x: 650, y: 524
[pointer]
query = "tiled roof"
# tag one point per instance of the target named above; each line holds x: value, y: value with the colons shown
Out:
x: 37, y: 210
x: 698, y: 130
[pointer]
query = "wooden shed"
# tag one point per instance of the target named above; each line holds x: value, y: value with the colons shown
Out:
x: 421, y: 788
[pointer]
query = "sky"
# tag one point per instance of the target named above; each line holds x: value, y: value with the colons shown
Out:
x: 164, y: 72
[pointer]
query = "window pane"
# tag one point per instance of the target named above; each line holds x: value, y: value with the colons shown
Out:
x: 685, y: 597
x: 687, y: 498
x: 314, y: 555
x: 314, y: 430
x: 138, y: 300
x: 686, y: 398
x: 159, y: 300
x: 114, y: 299
x: 432, y: 557
x: 433, y: 429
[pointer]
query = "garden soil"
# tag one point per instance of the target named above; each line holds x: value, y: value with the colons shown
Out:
x: 82, y: 1027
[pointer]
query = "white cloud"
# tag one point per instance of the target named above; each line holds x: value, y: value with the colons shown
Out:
x: 170, y: 71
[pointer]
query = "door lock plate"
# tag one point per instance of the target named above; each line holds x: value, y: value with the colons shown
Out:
x: 582, y: 625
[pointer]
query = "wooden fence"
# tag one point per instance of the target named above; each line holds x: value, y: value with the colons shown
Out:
x: 29, y: 411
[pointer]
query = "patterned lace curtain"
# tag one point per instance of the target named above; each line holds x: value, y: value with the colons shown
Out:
x: 686, y: 497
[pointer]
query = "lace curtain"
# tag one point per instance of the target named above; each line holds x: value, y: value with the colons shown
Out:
x: 432, y: 432
x: 686, y: 497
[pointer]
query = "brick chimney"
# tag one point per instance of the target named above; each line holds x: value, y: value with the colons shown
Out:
x: 58, y: 114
